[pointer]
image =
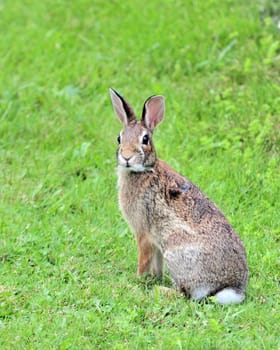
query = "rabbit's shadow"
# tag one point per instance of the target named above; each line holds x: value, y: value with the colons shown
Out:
x: 165, y: 286
x: 148, y: 282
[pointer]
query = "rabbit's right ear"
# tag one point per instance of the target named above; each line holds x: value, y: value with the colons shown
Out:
x: 153, y: 111
x: 122, y: 108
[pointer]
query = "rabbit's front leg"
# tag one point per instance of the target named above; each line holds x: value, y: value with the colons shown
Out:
x: 156, y: 267
x: 145, y: 254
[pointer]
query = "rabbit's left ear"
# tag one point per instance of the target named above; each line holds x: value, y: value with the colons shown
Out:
x: 122, y: 108
x: 153, y: 111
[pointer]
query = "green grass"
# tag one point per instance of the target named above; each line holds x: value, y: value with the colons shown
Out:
x: 67, y: 258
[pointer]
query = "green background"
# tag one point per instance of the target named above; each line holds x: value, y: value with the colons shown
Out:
x: 67, y: 258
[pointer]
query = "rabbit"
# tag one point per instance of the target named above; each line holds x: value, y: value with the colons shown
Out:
x: 173, y: 221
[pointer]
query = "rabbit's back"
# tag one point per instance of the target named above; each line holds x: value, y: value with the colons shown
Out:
x: 166, y: 203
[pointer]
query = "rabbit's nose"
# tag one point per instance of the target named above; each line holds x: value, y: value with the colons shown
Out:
x: 126, y: 154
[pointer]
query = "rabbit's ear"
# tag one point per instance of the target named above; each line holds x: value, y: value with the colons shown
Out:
x: 122, y: 108
x: 153, y: 111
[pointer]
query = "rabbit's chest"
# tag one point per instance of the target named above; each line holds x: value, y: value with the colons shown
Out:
x: 138, y: 205
x: 134, y: 209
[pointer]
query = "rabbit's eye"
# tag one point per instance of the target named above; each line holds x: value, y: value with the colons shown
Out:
x: 145, y: 139
x: 119, y: 139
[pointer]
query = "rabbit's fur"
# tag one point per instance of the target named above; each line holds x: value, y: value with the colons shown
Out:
x: 172, y: 219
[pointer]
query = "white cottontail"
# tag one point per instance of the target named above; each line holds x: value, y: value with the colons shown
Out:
x: 172, y: 219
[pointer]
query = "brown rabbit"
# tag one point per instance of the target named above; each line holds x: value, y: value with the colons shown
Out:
x: 172, y: 219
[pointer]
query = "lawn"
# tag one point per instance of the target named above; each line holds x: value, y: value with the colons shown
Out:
x: 67, y: 257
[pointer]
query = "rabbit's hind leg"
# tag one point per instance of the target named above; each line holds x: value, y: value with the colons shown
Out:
x: 183, y: 266
x: 200, y: 293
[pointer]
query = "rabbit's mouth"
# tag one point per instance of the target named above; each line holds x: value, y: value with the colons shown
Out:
x: 134, y: 168
x: 133, y: 163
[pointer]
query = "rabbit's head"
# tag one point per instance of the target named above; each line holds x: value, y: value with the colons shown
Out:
x: 136, y: 151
